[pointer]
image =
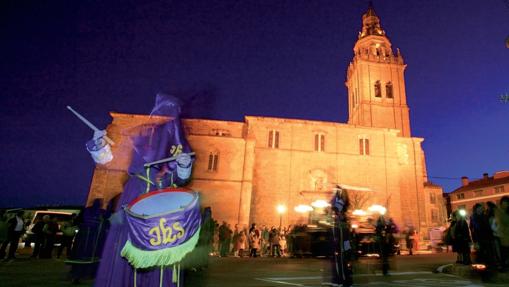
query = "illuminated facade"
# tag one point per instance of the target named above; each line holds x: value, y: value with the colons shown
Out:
x: 245, y: 169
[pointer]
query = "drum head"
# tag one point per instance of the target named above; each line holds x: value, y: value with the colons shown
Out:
x: 159, y: 202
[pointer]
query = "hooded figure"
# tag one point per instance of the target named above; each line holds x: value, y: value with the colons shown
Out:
x: 150, y: 143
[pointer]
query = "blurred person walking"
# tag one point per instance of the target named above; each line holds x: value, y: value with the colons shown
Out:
x: 15, y: 228
x: 385, y: 237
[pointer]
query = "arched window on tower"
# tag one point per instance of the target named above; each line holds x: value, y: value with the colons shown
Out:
x: 319, y: 142
x: 213, y: 161
x: 388, y: 90
x: 273, y: 139
x: 363, y: 146
x: 378, y: 89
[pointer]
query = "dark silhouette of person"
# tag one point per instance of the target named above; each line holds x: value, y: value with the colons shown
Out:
x: 15, y: 228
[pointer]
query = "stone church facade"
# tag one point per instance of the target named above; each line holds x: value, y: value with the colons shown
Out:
x: 243, y: 170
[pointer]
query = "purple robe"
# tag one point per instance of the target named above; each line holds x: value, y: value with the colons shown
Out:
x: 156, y: 144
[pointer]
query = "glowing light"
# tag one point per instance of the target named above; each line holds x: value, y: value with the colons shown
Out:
x: 377, y: 208
x: 355, y: 226
x: 359, y: 212
x: 462, y: 212
x: 479, y: 267
x: 320, y: 203
x: 303, y: 208
x: 281, y: 209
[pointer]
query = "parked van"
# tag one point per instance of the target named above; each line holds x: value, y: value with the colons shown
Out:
x: 61, y: 217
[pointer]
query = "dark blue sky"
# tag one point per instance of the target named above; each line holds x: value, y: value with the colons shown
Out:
x: 267, y: 58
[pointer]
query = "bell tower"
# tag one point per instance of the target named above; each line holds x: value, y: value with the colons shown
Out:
x: 375, y: 80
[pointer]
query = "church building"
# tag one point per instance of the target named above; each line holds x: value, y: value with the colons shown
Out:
x: 244, y: 170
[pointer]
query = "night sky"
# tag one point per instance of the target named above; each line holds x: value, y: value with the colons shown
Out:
x: 228, y: 59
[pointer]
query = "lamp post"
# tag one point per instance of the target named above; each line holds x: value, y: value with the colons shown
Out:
x: 280, y: 209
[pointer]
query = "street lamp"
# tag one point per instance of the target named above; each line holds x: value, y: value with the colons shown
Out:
x: 280, y: 209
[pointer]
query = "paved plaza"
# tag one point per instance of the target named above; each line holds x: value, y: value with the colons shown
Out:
x: 263, y: 272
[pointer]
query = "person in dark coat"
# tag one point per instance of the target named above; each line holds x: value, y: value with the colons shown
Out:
x: 15, y: 228
x: 385, y: 230
x: 39, y: 235
x: 50, y: 230
x: 481, y: 234
x: 409, y: 238
x: 461, y: 239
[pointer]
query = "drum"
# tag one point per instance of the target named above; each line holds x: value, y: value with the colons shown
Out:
x: 163, y: 226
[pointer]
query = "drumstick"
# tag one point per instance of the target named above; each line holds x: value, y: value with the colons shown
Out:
x: 165, y: 160
x: 89, y: 124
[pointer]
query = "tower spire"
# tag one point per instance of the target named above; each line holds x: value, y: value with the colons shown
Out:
x: 371, y: 23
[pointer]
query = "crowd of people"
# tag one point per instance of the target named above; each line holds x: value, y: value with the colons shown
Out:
x: 488, y: 232
x: 43, y: 234
x: 252, y: 242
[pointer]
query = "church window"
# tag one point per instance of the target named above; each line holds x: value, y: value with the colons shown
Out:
x: 213, y: 161
x: 388, y: 90
x: 319, y: 142
x: 273, y: 139
x: 432, y: 198
x: 460, y: 196
x: 364, y: 146
x: 434, y: 215
x: 499, y: 189
x: 378, y: 89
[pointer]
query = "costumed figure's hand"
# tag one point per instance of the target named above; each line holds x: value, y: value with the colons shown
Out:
x: 184, y: 166
x: 117, y: 217
x: 99, y: 134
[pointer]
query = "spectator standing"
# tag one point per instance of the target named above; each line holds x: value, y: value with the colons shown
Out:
x: 49, y: 230
x: 495, y: 240
x: 223, y: 246
x: 276, y: 248
x: 409, y: 238
x: 69, y: 230
x: 502, y: 218
x: 241, y: 243
x: 15, y: 228
x: 283, y: 243
x: 39, y: 235
x: 461, y: 239
x: 235, y: 240
x: 254, y: 241
x: 265, y: 241
x: 481, y: 234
